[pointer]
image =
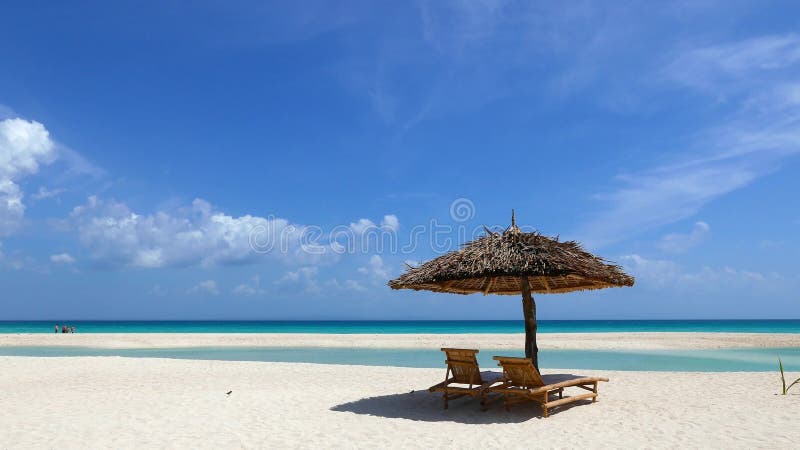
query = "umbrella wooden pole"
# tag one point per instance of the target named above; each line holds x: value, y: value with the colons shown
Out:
x: 529, y: 312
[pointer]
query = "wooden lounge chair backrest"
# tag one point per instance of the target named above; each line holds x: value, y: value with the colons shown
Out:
x: 519, y: 371
x: 462, y: 365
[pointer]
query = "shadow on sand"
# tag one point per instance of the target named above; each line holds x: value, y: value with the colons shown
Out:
x: 427, y: 407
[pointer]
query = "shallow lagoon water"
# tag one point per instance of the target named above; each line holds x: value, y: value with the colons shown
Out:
x: 722, y: 360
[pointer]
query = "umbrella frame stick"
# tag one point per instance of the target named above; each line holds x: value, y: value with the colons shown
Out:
x: 529, y: 313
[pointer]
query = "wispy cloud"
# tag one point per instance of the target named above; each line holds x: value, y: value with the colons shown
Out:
x: 45, y: 192
x: 661, y: 196
x: 250, y: 289
x: 345, y: 286
x: 77, y: 165
x: 477, y: 53
x: 6, y: 112
x: 208, y: 287
x: 471, y: 54
x: 17, y: 260
x: 62, y: 258
x: 723, y: 68
x: 305, y: 277
x: 680, y: 242
x: 662, y: 273
x: 754, y: 140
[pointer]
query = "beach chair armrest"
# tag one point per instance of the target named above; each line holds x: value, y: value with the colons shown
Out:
x: 502, y: 385
x: 490, y: 384
x: 568, y: 383
x: 440, y: 385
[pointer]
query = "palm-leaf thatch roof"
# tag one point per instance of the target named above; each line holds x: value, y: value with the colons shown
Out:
x: 495, y: 263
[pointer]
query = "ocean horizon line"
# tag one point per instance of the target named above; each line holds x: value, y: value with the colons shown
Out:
x: 404, y: 326
x: 381, y: 320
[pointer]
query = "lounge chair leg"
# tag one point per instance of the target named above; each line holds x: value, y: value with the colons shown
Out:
x: 545, y: 399
x: 594, y: 399
x: 561, y: 393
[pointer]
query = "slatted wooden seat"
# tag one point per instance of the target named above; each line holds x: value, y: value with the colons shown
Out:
x: 463, y: 376
x: 522, y: 382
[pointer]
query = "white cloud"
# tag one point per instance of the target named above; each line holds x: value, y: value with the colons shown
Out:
x: 390, y: 222
x: 680, y: 242
x: 375, y: 270
x: 362, y: 226
x: 725, y: 275
x: 663, y: 273
x: 657, y: 271
x: 364, y: 236
x: 303, y: 273
x: 62, y: 258
x: 11, y: 208
x: 205, y: 287
x: 117, y: 236
x: 306, y: 277
x: 200, y: 235
x: 249, y: 289
x: 346, y: 285
x: 24, y: 147
x: 245, y: 289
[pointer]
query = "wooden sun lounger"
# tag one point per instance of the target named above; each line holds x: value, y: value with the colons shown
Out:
x: 522, y: 382
x: 463, y: 376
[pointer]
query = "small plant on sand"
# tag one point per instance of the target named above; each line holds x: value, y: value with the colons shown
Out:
x: 783, y: 379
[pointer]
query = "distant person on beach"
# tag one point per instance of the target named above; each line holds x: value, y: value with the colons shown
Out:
x: 56, y: 328
x: 64, y: 329
x: 72, y: 329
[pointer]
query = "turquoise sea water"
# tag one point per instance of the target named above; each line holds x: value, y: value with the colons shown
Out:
x: 661, y: 360
x: 726, y: 360
x: 410, y: 327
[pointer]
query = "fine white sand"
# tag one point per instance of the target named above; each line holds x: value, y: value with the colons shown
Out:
x: 112, y: 402
x: 586, y: 341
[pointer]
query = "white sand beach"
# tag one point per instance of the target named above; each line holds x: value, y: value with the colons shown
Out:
x: 112, y: 402
x: 581, y: 341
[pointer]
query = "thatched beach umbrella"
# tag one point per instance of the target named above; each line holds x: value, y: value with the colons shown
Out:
x: 513, y: 263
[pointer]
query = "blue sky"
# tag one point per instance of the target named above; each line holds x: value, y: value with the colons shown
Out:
x: 234, y: 160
